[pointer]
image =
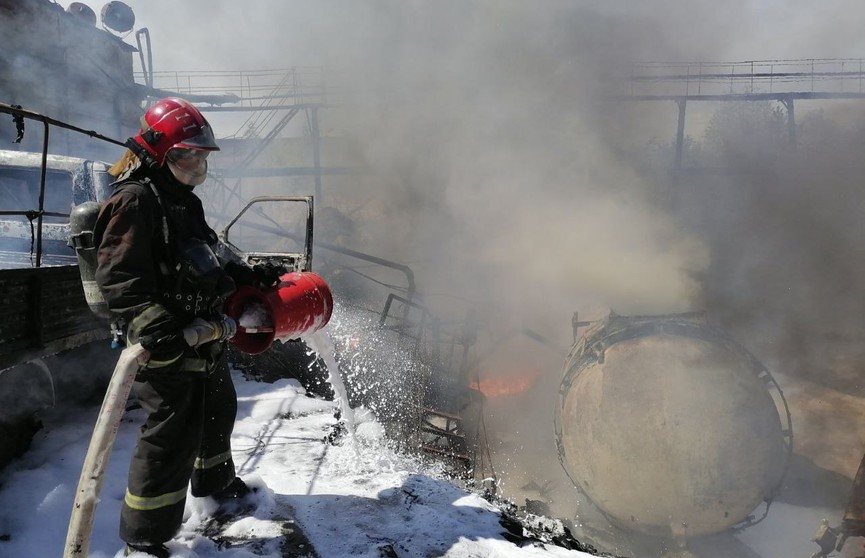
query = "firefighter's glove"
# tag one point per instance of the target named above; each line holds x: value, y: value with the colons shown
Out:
x: 242, y: 274
x: 202, y: 331
x: 160, y: 332
x: 267, y: 274
x: 261, y: 276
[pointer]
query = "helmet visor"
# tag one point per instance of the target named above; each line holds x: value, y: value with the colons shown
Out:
x: 203, y: 140
x: 187, y: 157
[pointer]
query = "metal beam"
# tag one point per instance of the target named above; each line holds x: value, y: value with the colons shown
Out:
x: 741, y: 97
x: 755, y: 75
x: 264, y: 107
x: 281, y: 171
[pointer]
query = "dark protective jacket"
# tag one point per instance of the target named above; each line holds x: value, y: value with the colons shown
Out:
x: 146, y: 231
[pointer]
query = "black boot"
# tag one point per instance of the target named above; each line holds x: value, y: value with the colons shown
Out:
x: 234, y: 499
x: 236, y: 490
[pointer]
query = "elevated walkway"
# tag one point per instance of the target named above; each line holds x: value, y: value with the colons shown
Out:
x: 756, y: 80
x: 784, y: 81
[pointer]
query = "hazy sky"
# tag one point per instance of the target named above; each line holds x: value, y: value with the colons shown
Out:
x: 218, y: 34
x: 276, y: 34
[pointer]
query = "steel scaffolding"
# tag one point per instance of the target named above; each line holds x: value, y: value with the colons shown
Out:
x: 784, y: 81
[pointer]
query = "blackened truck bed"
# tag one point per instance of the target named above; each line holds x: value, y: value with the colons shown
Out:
x: 44, y: 313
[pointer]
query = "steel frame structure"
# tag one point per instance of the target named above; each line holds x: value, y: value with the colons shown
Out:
x: 785, y: 81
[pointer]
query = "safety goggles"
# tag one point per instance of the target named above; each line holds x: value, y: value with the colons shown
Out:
x: 184, y: 155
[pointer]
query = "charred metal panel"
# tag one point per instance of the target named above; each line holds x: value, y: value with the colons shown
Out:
x: 58, y: 65
x: 17, y: 326
x: 43, y: 312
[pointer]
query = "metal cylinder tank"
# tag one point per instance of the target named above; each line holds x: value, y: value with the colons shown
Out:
x: 300, y: 304
x: 669, y: 427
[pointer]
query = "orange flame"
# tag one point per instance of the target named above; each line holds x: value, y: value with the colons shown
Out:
x: 503, y: 387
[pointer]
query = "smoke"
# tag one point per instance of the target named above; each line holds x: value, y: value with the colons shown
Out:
x: 782, y: 225
x: 492, y: 163
x: 500, y: 172
x: 492, y: 160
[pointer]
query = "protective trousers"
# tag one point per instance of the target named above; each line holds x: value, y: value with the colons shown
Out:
x: 186, y: 437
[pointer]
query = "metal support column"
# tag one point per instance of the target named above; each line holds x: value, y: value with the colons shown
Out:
x: 316, y: 152
x: 791, y: 119
x: 680, y: 134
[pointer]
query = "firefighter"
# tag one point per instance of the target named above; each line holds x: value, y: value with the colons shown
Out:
x: 160, y: 276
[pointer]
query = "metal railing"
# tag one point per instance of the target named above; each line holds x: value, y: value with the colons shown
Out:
x: 19, y: 115
x: 248, y: 88
x: 829, y: 77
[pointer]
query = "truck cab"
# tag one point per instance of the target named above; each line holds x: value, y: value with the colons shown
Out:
x: 24, y: 205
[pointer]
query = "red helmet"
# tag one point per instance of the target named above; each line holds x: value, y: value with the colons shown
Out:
x: 174, y: 123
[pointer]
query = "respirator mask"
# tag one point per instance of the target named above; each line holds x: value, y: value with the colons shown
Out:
x: 188, y: 166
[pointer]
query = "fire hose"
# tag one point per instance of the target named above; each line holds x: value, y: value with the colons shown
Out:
x: 300, y: 304
x: 101, y: 443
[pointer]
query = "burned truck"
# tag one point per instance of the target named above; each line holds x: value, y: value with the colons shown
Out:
x: 40, y: 289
